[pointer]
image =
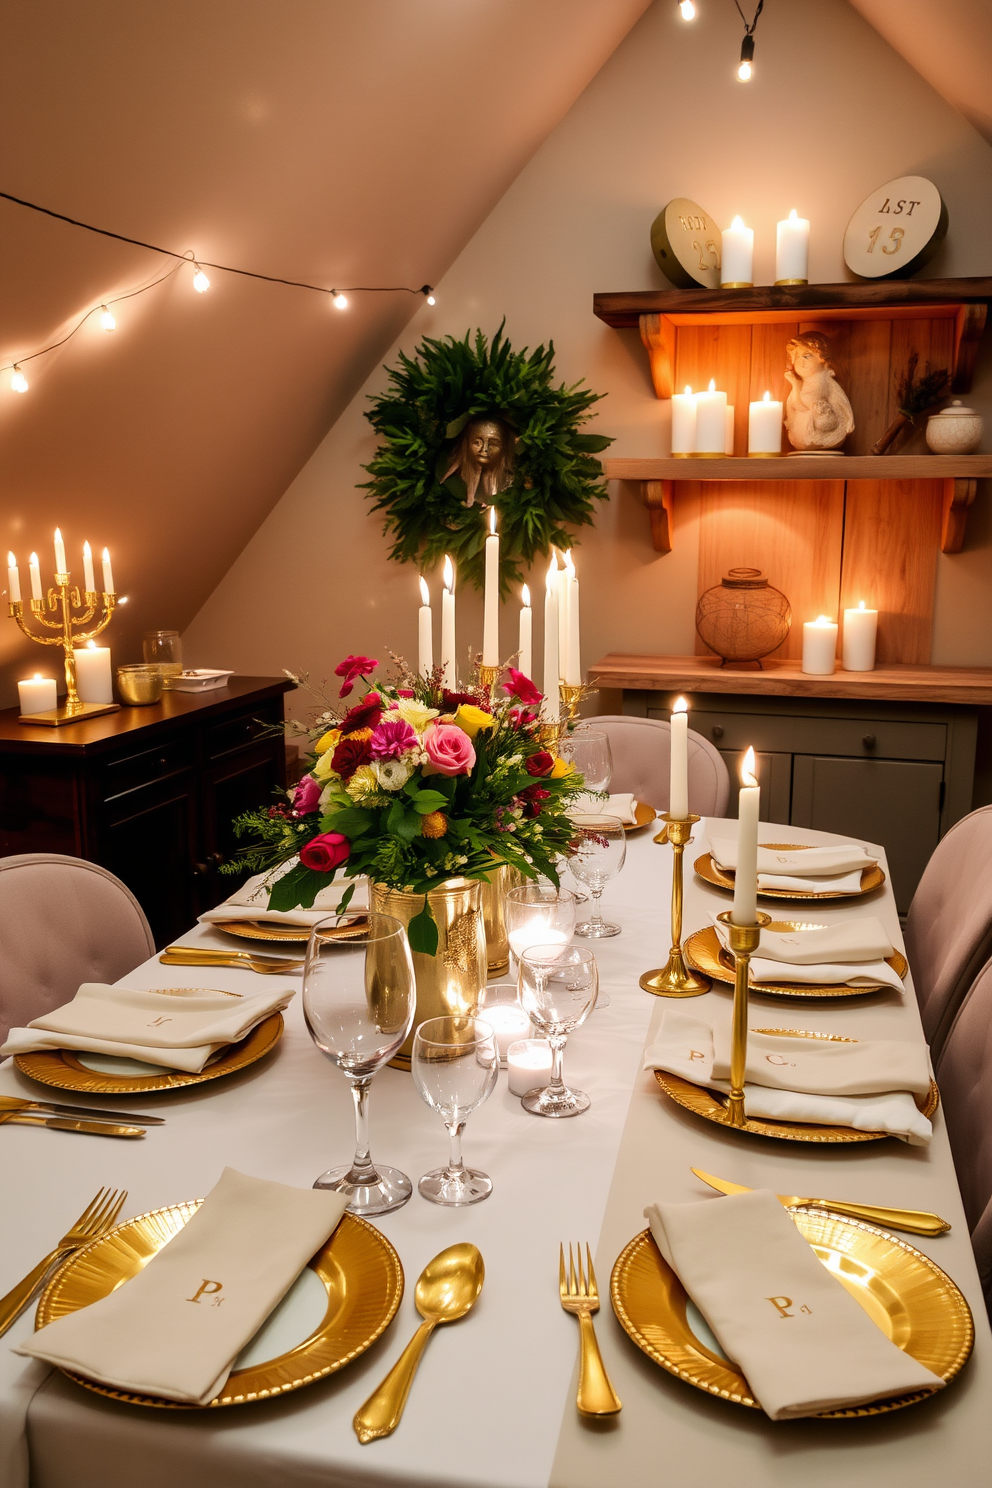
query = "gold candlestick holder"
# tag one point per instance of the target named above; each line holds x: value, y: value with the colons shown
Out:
x: 489, y: 675
x: 743, y: 944
x: 676, y: 978
x: 71, y: 608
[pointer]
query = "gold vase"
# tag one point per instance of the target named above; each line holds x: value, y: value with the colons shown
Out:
x: 449, y: 982
x: 494, y: 893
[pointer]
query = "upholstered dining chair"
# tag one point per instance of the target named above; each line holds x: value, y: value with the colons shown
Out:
x: 63, y: 921
x: 641, y: 753
x: 949, y: 927
x: 964, y: 1074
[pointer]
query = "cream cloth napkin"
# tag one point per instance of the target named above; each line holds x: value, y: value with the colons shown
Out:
x: 836, y: 883
x: 810, y: 862
x: 771, y: 965
x: 803, y: 1342
x: 685, y: 1047
x: 622, y: 805
x: 822, y: 1067
x: 180, y: 1030
x: 845, y: 940
x: 176, y: 1328
x: 250, y: 902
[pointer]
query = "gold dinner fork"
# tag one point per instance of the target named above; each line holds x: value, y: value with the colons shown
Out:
x: 94, y: 1221
x: 580, y: 1295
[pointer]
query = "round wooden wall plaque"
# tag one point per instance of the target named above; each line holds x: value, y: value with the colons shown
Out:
x: 686, y: 243
x: 896, y: 229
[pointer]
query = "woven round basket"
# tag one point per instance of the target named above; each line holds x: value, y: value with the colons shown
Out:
x: 743, y: 618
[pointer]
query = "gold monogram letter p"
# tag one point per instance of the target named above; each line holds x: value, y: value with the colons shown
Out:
x: 781, y: 1305
x: 206, y: 1289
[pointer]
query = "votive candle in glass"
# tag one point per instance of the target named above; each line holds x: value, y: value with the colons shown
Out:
x: 819, y: 646
x: 528, y: 1065
x: 858, y: 642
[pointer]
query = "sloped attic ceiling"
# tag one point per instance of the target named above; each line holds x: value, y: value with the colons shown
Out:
x: 334, y: 141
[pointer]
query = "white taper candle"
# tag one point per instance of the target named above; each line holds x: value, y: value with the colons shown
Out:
x: 425, y: 631
x: 552, y: 705
x: 745, y: 910
x: 490, y: 615
x: 13, y: 580
x: 448, y: 625
x: 525, y: 660
x: 89, y: 582
x: 678, y: 779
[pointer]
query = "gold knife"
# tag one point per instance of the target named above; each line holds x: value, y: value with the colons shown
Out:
x: 914, y: 1221
x: 205, y: 956
x: 52, y: 1108
x: 62, y: 1123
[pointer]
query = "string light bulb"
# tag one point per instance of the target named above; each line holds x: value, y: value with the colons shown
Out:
x: 746, y: 67
x: 339, y: 300
x: 18, y: 382
x: 687, y: 10
x: 200, y: 281
x: 107, y: 320
x: 428, y: 293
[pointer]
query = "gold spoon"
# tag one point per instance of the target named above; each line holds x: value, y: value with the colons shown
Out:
x: 447, y: 1289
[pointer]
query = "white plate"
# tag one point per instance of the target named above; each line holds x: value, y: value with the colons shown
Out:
x: 201, y: 681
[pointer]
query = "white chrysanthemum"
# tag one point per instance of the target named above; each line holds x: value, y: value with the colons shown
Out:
x: 417, y: 715
x: 393, y: 775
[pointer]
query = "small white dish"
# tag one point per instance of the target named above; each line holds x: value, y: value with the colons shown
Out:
x: 198, y: 681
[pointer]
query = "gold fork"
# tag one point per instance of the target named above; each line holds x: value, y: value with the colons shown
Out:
x: 94, y: 1221
x: 580, y: 1295
x: 265, y: 966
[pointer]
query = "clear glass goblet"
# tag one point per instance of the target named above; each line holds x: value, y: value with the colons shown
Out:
x: 538, y: 914
x: 558, y: 988
x: 598, y: 853
x: 588, y: 751
x: 455, y: 1065
x: 359, y: 1001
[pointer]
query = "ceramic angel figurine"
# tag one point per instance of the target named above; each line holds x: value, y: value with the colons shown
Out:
x: 818, y: 415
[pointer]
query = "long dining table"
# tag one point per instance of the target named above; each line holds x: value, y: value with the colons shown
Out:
x: 493, y: 1405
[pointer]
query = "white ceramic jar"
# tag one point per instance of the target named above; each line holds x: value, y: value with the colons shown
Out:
x: 955, y: 430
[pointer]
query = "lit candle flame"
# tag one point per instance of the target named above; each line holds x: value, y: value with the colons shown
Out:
x: 569, y: 564
x: 688, y: 391
x: 861, y: 604
x: 793, y: 215
x: 525, y: 597
x: 552, y: 577
x: 747, y: 769
x: 492, y: 520
x: 737, y: 225
x: 823, y: 620
x: 680, y: 706
x: 767, y: 398
x: 712, y: 385
x: 449, y: 575
x: 425, y: 593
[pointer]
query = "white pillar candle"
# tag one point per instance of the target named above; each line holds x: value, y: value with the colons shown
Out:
x: 684, y: 423
x: 35, y: 572
x: 448, y: 625
x: 792, y: 250
x: 89, y: 582
x: 13, y: 580
x: 94, y: 679
x: 38, y: 695
x: 525, y: 661
x: 573, y: 660
x: 508, y: 1022
x: 819, y: 646
x: 764, y: 427
x: 108, y: 574
x: 728, y: 443
x: 490, y: 615
x: 528, y: 1066
x: 711, y: 421
x: 678, y: 781
x: 858, y: 645
x: 425, y: 632
x: 738, y: 255
x: 60, y: 567
x: 745, y: 909
x: 552, y: 705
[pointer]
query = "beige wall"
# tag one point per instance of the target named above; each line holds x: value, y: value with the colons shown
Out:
x: 831, y: 113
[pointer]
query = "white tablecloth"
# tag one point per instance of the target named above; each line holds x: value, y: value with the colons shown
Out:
x: 493, y: 1403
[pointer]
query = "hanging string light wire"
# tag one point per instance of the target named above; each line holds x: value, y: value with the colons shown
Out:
x: 746, y: 66
x: 199, y: 264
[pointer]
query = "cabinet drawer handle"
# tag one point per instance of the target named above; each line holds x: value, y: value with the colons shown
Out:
x: 717, y: 731
x: 869, y: 741
x: 163, y: 761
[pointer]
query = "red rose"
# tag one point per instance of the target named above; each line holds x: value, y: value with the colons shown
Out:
x: 534, y: 798
x: 541, y: 763
x: 365, y: 714
x: 352, y: 667
x: 325, y: 853
x: 452, y: 700
x: 521, y: 687
x: 350, y: 755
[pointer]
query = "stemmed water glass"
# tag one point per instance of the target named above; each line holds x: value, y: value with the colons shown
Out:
x: 558, y: 988
x: 359, y: 1000
x: 454, y: 1066
x: 588, y: 751
x: 538, y: 914
x: 598, y: 853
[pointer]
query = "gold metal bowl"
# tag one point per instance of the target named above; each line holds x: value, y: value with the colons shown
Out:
x: 139, y: 685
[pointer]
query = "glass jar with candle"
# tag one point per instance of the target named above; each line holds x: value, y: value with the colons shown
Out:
x: 164, y: 650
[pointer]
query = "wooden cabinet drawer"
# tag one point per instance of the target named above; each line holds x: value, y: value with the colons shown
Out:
x: 774, y: 773
x: 854, y: 738
x: 237, y: 732
x: 151, y: 765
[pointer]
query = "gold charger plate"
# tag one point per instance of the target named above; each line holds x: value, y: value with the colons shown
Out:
x: 704, y: 951
x: 360, y: 1271
x: 871, y: 878
x: 907, y: 1295
x: 61, y: 1068
x: 713, y: 1106
x: 644, y: 815
x: 290, y: 934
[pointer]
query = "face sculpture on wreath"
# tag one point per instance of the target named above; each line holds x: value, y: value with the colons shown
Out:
x: 818, y: 414
x: 483, y: 459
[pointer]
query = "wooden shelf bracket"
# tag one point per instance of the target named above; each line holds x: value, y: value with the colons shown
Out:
x: 958, y: 497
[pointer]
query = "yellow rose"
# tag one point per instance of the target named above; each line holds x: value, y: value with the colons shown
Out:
x: 560, y: 770
x: 328, y: 742
x: 471, y: 719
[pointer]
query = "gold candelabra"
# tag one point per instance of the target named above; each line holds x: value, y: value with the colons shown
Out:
x: 675, y: 978
x: 489, y: 675
x: 743, y: 943
x: 71, y: 608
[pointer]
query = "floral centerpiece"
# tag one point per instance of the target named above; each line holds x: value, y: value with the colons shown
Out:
x: 414, y: 784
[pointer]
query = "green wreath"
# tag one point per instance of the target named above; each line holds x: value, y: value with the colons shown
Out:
x: 466, y: 425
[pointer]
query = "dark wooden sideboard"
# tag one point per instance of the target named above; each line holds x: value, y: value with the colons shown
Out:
x: 150, y: 793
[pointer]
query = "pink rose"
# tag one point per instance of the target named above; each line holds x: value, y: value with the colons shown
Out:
x: 391, y: 738
x: 449, y: 750
x: 306, y: 795
x: 325, y: 853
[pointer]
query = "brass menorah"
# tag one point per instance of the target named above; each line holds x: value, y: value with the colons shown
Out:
x: 71, y: 608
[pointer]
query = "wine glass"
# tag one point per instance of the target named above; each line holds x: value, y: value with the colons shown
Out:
x: 538, y: 914
x: 454, y: 1066
x: 359, y: 1001
x: 598, y: 853
x: 588, y: 751
x: 558, y: 988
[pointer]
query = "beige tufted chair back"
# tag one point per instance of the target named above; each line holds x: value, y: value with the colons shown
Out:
x: 641, y: 754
